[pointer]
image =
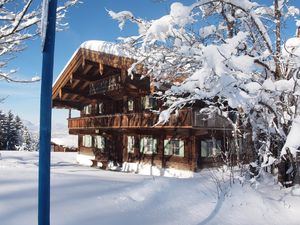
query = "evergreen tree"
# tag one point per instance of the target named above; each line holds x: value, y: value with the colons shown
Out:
x: 10, y: 132
x: 14, y: 135
x: 2, y: 121
x: 19, y: 130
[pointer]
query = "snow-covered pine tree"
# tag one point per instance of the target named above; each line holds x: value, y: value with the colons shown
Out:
x: 28, y: 143
x: 14, y: 135
x: 2, y: 122
x: 10, y: 132
x: 19, y: 130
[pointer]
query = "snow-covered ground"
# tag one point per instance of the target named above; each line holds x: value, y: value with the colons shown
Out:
x: 83, y: 195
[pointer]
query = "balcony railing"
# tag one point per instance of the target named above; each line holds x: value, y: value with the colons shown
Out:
x: 132, y: 120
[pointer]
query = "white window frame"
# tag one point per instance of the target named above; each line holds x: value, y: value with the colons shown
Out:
x: 130, y: 144
x: 148, y: 145
x: 174, y: 147
x: 87, y: 141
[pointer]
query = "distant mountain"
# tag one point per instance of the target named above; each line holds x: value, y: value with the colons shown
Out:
x: 33, y: 128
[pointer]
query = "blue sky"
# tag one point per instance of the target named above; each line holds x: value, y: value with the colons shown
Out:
x: 87, y: 21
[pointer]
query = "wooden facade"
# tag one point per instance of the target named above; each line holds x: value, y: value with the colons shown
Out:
x: 118, y: 114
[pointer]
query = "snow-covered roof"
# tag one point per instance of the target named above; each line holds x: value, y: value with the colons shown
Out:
x: 101, y: 47
x: 106, y: 47
x: 66, y: 140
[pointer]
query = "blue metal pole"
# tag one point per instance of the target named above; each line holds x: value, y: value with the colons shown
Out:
x: 45, y: 117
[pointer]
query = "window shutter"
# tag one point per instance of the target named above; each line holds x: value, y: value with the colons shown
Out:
x: 181, y: 148
x: 154, y: 146
x: 142, y: 145
x: 130, y: 143
x: 167, y: 147
x: 204, y: 149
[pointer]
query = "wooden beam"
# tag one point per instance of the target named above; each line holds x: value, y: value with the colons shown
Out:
x: 123, y: 75
x: 101, y: 68
x: 74, y: 92
x: 79, y: 76
x: 67, y: 104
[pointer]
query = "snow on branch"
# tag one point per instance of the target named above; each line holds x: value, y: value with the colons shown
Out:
x: 222, y: 49
x: 7, y: 77
x: 19, y: 22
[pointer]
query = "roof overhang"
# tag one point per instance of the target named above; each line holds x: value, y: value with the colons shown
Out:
x: 70, y: 89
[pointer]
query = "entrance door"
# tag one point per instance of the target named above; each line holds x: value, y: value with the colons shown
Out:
x: 117, y: 148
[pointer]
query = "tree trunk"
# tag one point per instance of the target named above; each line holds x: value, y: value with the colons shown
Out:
x: 278, y: 73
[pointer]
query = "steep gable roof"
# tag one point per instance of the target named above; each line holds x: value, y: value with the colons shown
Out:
x: 91, y: 60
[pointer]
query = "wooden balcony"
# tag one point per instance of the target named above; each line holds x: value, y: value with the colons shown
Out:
x: 186, y: 118
x: 131, y: 120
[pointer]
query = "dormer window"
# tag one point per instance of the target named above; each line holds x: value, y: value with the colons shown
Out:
x: 87, y: 110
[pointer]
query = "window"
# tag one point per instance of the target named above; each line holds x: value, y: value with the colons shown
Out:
x: 148, y: 145
x: 130, y: 144
x: 112, y: 83
x: 174, y: 147
x: 130, y: 105
x: 87, y: 141
x: 101, y: 108
x: 99, y: 142
x: 87, y: 109
x: 210, y: 148
x: 147, y: 102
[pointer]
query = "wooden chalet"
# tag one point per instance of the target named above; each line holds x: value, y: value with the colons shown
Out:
x: 118, y: 114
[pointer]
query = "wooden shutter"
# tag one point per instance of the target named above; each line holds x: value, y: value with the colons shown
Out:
x: 167, y: 147
x: 181, y: 148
